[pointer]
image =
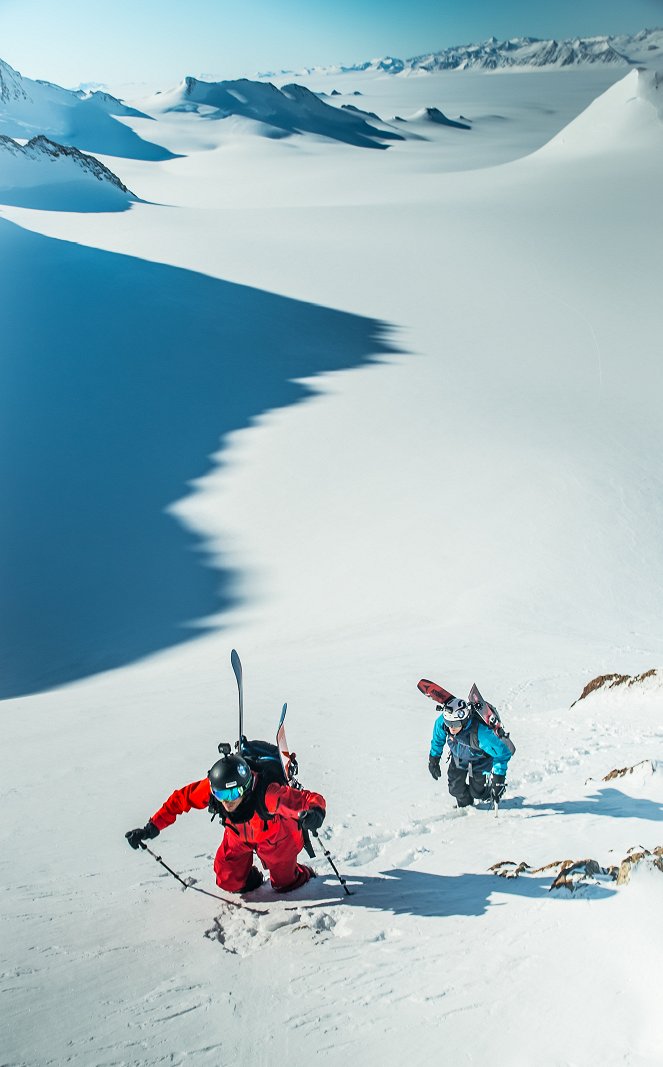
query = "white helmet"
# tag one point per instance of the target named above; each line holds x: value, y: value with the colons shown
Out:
x: 456, y: 712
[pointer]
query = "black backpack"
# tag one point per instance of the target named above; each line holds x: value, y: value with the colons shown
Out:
x: 263, y: 758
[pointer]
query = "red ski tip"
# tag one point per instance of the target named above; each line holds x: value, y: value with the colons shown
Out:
x: 434, y: 691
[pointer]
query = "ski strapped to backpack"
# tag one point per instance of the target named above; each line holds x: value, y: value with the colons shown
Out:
x: 274, y: 763
x: 483, y: 711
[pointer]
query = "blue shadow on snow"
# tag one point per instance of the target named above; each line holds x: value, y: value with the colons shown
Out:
x: 118, y: 379
x: 610, y: 802
x: 86, y: 196
x: 408, y: 892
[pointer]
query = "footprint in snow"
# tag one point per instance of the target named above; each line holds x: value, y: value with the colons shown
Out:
x: 242, y: 931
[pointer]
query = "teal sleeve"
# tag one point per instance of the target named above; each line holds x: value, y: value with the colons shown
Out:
x: 439, y: 737
x: 494, y: 746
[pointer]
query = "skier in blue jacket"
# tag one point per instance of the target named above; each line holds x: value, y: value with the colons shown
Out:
x: 477, y: 767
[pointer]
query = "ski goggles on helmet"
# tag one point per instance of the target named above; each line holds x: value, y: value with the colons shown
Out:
x: 234, y: 793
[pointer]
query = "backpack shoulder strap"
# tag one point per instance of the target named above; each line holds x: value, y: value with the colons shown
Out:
x: 268, y: 771
x: 473, y: 736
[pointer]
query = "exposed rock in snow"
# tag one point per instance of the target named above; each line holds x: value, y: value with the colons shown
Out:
x: 640, y: 858
x: 645, y: 768
x: 575, y: 874
x: 611, y: 681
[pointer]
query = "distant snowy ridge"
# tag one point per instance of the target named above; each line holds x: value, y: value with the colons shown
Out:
x: 517, y: 52
x: 46, y: 96
x: 88, y: 120
x: 292, y: 109
x: 433, y: 114
x: 108, y: 103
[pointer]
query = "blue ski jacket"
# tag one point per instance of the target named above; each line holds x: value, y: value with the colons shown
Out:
x: 492, y: 753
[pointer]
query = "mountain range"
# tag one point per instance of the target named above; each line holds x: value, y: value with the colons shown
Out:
x: 518, y: 52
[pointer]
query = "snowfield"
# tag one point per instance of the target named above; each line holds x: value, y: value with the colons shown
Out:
x: 365, y: 416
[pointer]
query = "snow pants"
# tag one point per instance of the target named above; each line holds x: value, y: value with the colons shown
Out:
x: 277, y: 851
x: 466, y: 787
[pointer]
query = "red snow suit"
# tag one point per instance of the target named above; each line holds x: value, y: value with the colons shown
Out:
x: 277, y: 841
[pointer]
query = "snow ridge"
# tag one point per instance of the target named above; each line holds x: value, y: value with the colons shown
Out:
x: 292, y: 109
x: 11, y: 84
x: 41, y: 148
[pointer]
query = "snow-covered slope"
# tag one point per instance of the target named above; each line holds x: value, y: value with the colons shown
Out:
x: 482, y: 504
x: 91, y: 122
x: 631, y: 112
x: 42, y: 174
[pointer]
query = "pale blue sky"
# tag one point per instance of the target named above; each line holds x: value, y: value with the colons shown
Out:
x: 72, y: 41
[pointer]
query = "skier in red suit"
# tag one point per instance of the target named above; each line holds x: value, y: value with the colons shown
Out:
x: 258, y: 815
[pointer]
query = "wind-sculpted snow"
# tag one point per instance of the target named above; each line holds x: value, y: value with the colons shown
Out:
x: 292, y: 109
x: 120, y: 379
x: 50, y: 176
x: 87, y: 121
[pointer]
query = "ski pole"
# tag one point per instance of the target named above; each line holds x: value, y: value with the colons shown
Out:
x: 159, y: 860
x: 327, y: 853
x: 198, y: 889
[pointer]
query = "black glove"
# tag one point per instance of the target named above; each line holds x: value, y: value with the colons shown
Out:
x: 497, y: 786
x: 434, y: 767
x: 146, y: 833
x: 311, y: 820
x: 254, y: 880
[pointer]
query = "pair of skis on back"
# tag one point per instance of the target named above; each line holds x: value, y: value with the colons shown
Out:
x: 288, y: 762
x: 288, y: 759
